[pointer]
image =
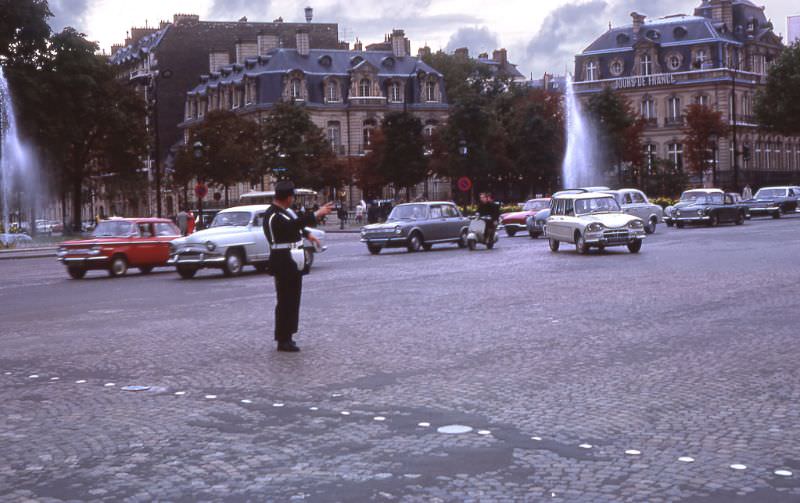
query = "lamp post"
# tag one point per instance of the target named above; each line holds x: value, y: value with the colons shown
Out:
x: 733, y: 113
x: 713, y: 140
x: 154, y: 79
x: 463, y: 151
x: 200, y: 190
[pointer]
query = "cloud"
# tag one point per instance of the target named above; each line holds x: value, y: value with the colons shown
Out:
x: 69, y: 13
x: 477, y: 40
x: 236, y: 9
x: 567, y: 30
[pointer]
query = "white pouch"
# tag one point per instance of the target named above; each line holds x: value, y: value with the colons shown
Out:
x: 299, y: 257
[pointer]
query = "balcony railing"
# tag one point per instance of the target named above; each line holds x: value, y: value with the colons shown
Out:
x: 674, y: 121
x: 651, y: 122
x: 367, y: 100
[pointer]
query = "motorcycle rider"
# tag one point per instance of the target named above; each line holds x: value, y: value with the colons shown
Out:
x: 489, y: 210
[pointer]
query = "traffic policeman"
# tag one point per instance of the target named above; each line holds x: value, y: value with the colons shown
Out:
x: 285, y: 231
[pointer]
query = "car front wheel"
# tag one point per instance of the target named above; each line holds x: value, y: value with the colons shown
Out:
x: 580, y: 244
x: 373, y: 249
x: 635, y: 246
x: 777, y: 214
x: 740, y: 218
x: 554, y: 245
x: 187, y: 272
x: 650, y: 228
x: 414, y: 242
x: 118, y: 267
x: 511, y: 232
x: 76, y: 272
x: 233, y: 263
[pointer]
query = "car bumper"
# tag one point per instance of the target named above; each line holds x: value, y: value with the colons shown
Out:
x: 697, y: 218
x: 386, y: 242
x: 86, y: 261
x: 197, y: 259
x: 767, y: 210
x: 514, y: 226
x: 618, y: 238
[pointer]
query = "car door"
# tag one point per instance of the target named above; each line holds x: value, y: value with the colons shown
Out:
x: 260, y: 247
x: 437, y: 223
x: 142, y: 249
x: 555, y: 221
x: 639, y: 205
x: 453, y: 227
x: 165, y: 232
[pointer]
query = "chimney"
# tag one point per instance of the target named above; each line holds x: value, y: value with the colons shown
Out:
x: 462, y: 52
x: 309, y: 14
x: 218, y: 59
x: 358, y: 46
x: 245, y: 50
x: 399, y: 43
x: 722, y: 12
x: 483, y: 55
x: 501, y: 56
x: 266, y: 43
x: 303, y: 44
x: 638, y: 21
x: 179, y: 19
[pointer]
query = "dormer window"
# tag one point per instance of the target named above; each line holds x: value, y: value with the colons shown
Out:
x: 394, y: 93
x: 646, y: 64
x: 332, y: 92
x: 623, y: 39
x: 364, y: 87
x: 679, y: 32
x: 591, y: 70
x: 294, y: 89
x: 430, y: 91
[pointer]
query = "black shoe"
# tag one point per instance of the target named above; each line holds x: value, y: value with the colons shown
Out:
x: 288, y: 346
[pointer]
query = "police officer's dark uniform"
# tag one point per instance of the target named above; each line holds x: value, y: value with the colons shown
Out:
x: 285, y: 230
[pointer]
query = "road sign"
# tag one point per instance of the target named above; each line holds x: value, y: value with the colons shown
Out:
x: 464, y: 184
x: 200, y: 190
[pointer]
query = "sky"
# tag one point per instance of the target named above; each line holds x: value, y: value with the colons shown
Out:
x: 541, y: 36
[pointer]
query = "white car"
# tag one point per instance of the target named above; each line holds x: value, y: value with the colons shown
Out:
x: 234, y: 239
x: 592, y: 219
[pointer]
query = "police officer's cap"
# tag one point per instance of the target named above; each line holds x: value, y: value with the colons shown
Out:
x: 284, y: 189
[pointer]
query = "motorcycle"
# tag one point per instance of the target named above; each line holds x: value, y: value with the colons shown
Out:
x: 477, y: 233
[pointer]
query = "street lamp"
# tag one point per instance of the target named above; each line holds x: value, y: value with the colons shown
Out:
x: 200, y: 190
x: 154, y: 79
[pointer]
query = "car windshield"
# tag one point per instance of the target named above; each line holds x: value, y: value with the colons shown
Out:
x: 408, y: 212
x: 231, y: 218
x: 767, y: 193
x: 110, y: 228
x: 535, y: 205
x: 701, y: 197
x: 596, y: 205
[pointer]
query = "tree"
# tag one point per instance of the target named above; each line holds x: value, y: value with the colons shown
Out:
x: 294, y: 147
x: 230, y: 145
x: 777, y: 107
x: 399, y: 156
x: 618, y: 128
x: 702, y: 124
x: 24, y: 31
x: 91, y: 124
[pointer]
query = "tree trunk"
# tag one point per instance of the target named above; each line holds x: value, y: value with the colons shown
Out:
x: 77, y: 185
x: 227, y: 205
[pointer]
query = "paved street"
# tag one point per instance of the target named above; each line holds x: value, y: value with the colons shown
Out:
x: 613, y: 377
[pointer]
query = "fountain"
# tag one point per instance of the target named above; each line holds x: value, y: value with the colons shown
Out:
x: 580, y: 162
x: 14, y: 160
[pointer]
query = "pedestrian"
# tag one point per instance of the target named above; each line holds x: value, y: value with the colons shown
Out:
x: 359, y: 213
x: 285, y: 232
x: 190, y: 222
x: 747, y: 193
x: 183, y: 221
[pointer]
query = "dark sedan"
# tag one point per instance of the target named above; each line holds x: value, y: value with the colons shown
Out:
x: 707, y: 206
x: 416, y: 226
x: 773, y: 201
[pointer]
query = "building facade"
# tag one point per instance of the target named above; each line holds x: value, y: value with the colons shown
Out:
x: 792, y: 29
x: 346, y: 92
x: 718, y: 57
x: 164, y: 62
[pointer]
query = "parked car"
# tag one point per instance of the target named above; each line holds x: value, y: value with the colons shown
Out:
x: 416, y: 226
x: 773, y: 201
x: 235, y: 238
x: 117, y: 244
x: 517, y: 221
x: 634, y: 202
x: 708, y: 206
x: 592, y: 219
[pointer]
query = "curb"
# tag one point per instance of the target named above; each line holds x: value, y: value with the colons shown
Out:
x: 27, y: 253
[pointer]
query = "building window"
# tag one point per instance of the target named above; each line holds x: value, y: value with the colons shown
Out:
x: 675, y: 155
x: 591, y: 70
x: 430, y: 91
x: 369, y: 129
x: 394, y: 93
x: 674, y: 109
x: 650, y: 153
x: 332, y: 92
x: 334, y: 136
x: 648, y: 109
x: 646, y: 64
x: 758, y: 160
x: 767, y: 155
x: 701, y: 100
x: 674, y: 61
x: 778, y: 161
x: 747, y: 105
x: 758, y: 64
x: 617, y: 67
x: 700, y: 58
x: 364, y: 87
x: 295, y: 90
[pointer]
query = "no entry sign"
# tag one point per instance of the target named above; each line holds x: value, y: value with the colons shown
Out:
x: 200, y: 190
x: 464, y: 184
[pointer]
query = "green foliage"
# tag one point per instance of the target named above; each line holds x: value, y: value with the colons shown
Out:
x: 24, y: 31
x: 664, y: 201
x: 702, y: 124
x: 618, y: 128
x: 777, y: 107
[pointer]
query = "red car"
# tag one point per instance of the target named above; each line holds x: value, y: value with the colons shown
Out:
x: 120, y: 243
x: 517, y: 221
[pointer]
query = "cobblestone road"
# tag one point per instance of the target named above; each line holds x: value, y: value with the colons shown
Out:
x: 671, y: 375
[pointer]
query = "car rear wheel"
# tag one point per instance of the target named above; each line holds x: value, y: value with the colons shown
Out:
x: 118, y: 267
x: 414, y: 242
x: 635, y: 246
x: 554, y: 245
x: 713, y: 220
x: 427, y: 247
x: 146, y: 269
x: 233, y: 263
x: 650, y: 228
x: 740, y: 218
x: 777, y: 214
x: 187, y: 272
x: 76, y: 272
x: 374, y: 249
x: 511, y: 232
x: 462, y: 241
x: 680, y: 225
x: 580, y: 244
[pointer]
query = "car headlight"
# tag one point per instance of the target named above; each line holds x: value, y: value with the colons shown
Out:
x: 636, y: 224
x: 595, y: 227
x: 700, y: 212
x: 398, y: 230
x: 210, y: 246
x: 678, y: 213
